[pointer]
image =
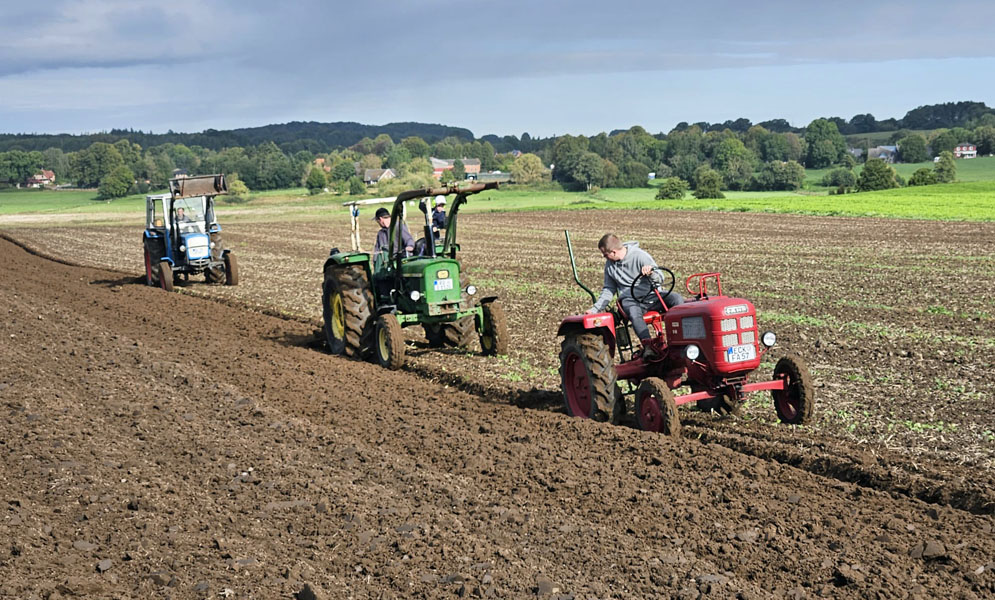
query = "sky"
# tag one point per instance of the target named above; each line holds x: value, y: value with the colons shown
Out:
x: 542, y: 67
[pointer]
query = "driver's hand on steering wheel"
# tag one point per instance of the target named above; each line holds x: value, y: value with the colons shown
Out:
x: 646, y: 270
x: 590, y: 311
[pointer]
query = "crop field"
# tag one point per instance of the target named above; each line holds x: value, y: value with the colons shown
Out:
x: 462, y: 474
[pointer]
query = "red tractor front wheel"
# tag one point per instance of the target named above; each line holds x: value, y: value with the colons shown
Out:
x: 794, y: 404
x: 656, y: 409
x: 587, y: 378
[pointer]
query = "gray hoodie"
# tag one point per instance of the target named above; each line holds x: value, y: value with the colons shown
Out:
x: 619, y: 275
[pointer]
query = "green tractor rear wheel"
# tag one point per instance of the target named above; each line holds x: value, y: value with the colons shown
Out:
x: 494, y: 336
x: 347, y: 303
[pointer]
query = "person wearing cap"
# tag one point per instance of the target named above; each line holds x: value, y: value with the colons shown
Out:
x: 382, y: 217
x: 439, y: 215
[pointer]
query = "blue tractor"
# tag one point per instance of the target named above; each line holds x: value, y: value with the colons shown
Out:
x: 182, y: 236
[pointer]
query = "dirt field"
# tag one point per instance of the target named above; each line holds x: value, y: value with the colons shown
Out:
x: 167, y: 444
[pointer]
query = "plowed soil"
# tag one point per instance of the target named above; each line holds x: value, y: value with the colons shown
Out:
x: 173, y: 445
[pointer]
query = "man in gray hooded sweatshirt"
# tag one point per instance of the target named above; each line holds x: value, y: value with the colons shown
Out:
x: 625, y: 262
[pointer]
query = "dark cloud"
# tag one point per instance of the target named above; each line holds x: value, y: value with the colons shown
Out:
x: 262, y: 60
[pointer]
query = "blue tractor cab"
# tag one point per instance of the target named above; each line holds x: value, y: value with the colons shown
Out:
x: 182, y: 236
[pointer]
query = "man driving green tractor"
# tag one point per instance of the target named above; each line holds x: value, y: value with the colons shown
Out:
x: 367, y: 300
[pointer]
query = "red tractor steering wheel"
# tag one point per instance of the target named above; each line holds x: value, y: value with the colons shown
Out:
x: 654, y: 285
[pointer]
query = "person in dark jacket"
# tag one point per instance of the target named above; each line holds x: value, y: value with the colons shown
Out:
x: 624, y: 264
x: 439, y: 216
x: 382, y: 217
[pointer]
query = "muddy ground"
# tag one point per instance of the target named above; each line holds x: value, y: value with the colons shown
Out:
x: 171, y: 445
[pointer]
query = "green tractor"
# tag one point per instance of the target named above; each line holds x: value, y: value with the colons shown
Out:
x: 366, y: 301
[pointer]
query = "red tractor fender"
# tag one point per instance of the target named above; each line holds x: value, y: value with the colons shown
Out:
x: 603, y: 322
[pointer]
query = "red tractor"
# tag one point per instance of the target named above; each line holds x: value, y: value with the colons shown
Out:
x: 710, y: 344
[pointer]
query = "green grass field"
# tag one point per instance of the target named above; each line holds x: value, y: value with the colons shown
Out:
x: 975, y: 169
x: 45, y: 201
x: 973, y: 201
x: 972, y: 198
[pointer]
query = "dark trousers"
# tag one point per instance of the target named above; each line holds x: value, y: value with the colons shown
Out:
x: 636, y: 310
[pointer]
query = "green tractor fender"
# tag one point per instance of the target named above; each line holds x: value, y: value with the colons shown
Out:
x: 335, y: 257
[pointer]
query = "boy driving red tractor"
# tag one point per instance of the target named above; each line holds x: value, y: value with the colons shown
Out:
x: 709, y: 343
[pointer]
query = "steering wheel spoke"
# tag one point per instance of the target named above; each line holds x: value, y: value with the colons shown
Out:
x: 667, y: 274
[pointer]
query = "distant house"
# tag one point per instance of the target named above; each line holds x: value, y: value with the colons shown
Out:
x: 471, y: 166
x: 439, y: 165
x: 966, y: 151
x: 41, y: 179
x: 372, y: 176
x: 886, y: 153
x: 856, y: 152
x: 320, y: 162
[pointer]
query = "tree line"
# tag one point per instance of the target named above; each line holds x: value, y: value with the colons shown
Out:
x: 702, y: 157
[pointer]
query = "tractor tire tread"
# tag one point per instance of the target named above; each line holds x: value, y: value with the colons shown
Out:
x: 598, y: 359
x: 496, y: 327
x: 357, y: 306
x: 797, y: 371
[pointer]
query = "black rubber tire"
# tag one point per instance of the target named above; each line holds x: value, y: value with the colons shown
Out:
x: 656, y: 409
x: 494, y: 337
x: 214, y: 275
x: 231, y: 269
x: 461, y: 333
x: 433, y: 333
x: 795, y: 403
x: 355, y: 336
x: 149, y: 276
x: 165, y: 276
x: 389, y: 346
x: 620, y: 408
x: 587, y: 377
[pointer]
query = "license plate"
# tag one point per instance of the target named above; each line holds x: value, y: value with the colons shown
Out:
x: 737, y: 354
x: 443, y: 284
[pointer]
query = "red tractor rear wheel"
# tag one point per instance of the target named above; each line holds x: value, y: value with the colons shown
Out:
x: 587, y: 378
x: 794, y: 404
x: 656, y: 409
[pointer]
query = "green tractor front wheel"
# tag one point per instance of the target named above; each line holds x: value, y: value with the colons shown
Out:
x: 494, y: 334
x: 389, y: 347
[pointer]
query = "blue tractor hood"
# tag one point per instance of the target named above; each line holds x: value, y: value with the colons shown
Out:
x: 198, y: 245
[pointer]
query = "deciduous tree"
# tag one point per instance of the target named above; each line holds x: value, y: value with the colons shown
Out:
x: 672, y: 188
x: 945, y: 168
x: 825, y: 144
x: 707, y: 183
x: 923, y: 176
x: 528, y: 168
x: 356, y: 186
x: 116, y: 183
x: 912, y: 149
x: 316, y: 180
x: 876, y: 175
